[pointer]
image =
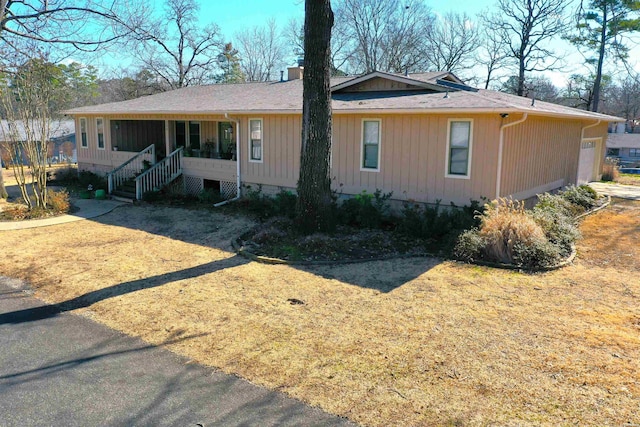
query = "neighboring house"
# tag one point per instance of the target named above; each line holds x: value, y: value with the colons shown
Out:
x: 425, y: 137
x: 61, y: 139
x: 625, y: 147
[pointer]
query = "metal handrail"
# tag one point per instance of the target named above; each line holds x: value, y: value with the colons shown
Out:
x: 120, y: 174
x: 160, y: 174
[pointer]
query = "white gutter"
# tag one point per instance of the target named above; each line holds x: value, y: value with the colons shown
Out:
x: 587, y: 127
x: 501, y: 148
x: 238, y: 180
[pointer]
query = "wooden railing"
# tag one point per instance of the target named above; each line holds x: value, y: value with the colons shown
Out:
x: 160, y: 174
x: 129, y: 169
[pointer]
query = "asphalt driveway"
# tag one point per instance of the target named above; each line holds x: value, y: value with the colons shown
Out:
x: 60, y: 369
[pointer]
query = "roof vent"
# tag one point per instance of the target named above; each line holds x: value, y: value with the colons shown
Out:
x: 281, y: 75
x: 446, y: 95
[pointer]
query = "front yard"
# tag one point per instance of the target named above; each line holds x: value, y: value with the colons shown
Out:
x: 413, y: 341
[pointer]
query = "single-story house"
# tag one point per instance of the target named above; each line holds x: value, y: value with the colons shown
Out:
x: 425, y: 137
x: 625, y: 147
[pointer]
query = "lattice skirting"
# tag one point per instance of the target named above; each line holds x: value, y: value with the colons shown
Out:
x: 228, y: 189
x: 193, y: 185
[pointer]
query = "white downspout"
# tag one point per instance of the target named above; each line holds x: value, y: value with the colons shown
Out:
x: 587, y: 127
x: 238, y: 158
x: 500, y: 149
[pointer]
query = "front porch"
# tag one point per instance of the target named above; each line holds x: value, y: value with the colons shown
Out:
x: 201, y: 153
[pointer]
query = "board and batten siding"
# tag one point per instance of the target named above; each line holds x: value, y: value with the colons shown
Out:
x: 92, y: 158
x: 541, y: 154
x: 412, y: 163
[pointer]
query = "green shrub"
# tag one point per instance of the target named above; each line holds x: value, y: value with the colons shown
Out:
x: 584, y: 197
x: 554, y: 214
x: 86, y: 178
x: 365, y: 210
x: 434, y: 222
x: 58, y: 201
x: 152, y: 196
x: 209, y: 196
x: 470, y: 246
x: 66, y: 176
x: 265, y: 207
x: 536, y: 254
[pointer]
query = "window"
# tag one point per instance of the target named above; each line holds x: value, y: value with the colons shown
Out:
x: 634, y: 152
x: 370, y: 145
x: 194, y: 135
x: 100, y: 131
x: 459, y: 148
x: 255, y: 140
x: 83, y: 133
x: 613, y: 151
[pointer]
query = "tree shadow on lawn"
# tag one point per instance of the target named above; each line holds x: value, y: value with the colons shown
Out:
x: 383, y: 276
x: 90, y: 298
x: 218, y: 228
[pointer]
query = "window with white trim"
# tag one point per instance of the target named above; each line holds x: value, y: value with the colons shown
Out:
x: 634, y: 152
x: 100, y: 132
x: 255, y: 140
x: 84, y: 142
x: 459, y: 148
x: 370, y: 145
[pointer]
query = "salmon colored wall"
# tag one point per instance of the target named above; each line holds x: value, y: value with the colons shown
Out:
x: 543, y: 152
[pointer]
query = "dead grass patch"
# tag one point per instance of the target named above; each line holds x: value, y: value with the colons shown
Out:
x: 403, y: 342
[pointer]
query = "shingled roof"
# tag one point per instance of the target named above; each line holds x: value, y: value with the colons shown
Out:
x: 437, y: 92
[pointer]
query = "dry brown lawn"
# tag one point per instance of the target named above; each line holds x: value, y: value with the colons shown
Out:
x: 406, y: 342
x: 628, y: 179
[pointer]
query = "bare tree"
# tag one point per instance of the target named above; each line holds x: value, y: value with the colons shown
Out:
x: 453, y: 43
x: 314, y: 210
x: 601, y: 27
x: 491, y: 53
x: 526, y: 27
x: 625, y: 99
x: 29, y: 26
x: 84, y: 25
x: 27, y: 97
x: 340, y: 44
x: 385, y: 35
x: 175, y: 48
x: 261, y: 50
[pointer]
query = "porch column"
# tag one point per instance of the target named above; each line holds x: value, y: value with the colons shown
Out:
x: 167, y: 141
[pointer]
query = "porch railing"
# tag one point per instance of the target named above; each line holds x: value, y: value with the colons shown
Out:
x: 160, y: 174
x: 129, y: 169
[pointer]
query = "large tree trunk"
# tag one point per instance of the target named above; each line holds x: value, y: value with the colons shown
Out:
x: 597, y: 83
x: 314, y: 209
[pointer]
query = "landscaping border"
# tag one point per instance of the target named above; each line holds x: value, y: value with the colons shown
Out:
x: 237, y: 246
x: 557, y: 266
x: 239, y: 249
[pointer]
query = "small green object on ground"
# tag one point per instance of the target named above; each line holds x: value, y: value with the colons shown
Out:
x: 85, y: 195
x: 101, y: 195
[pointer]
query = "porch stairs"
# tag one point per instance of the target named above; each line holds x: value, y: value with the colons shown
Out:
x: 140, y: 174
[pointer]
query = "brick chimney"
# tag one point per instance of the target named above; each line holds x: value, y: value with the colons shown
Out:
x: 295, y: 73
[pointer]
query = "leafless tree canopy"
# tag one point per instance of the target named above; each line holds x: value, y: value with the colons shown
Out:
x: 261, y: 51
x: 383, y: 35
x: 82, y: 25
x: 526, y: 27
x: 176, y: 49
x: 453, y: 43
